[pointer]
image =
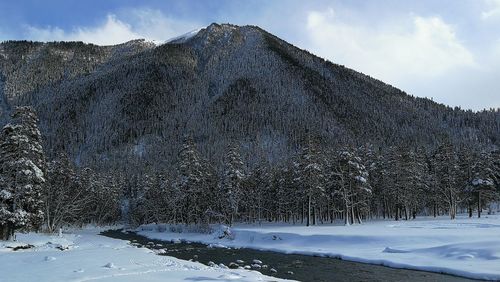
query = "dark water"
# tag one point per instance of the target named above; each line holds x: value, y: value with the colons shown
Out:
x: 297, y: 267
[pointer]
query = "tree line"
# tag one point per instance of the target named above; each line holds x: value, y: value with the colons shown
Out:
x: 319, y: 184
x: 107, y: 101
x: 37, y: 195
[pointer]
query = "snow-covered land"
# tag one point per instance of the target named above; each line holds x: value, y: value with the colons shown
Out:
x: 85, y: 256
x: 465, y: 247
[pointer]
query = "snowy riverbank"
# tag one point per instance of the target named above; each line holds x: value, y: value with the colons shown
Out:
x: 465, y: 247
x: 85, y: 256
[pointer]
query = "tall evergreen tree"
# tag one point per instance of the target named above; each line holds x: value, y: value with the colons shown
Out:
x: 22, y: 174
x: 417, y: 179
x: 352, y: 185
x: 63, y: 197
x: 195, y: 184
x: 446, y: 170
x: 310, y: 177
x: 231, y: 185
x: 483, y: 180
x: 254, y: 192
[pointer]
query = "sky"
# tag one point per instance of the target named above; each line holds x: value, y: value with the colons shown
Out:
x: 447, y: 50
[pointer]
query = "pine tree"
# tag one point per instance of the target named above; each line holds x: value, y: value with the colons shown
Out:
x: 483, y: 180
x: 351, y: 177
x: 393, y: 180
x: 413, y: 180
x: 254, y: 192
x: 22, y: 174
x: 310, y: 176
x: 285, y: 194
x: 466, y: 159
x: 63, y: 197
x: 104, y: 191
x: 446, y: 169
x: 195, y: 184
x: 234, y: 175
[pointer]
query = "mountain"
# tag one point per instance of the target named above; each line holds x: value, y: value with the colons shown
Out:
x: 135, y: 101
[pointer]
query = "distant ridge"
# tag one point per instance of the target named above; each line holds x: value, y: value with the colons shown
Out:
x: 221, y: 84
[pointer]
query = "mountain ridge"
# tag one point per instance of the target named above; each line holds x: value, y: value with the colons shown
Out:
x: 226, y: 83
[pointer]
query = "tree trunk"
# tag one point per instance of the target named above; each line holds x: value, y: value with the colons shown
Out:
x: 346, y: 215
x: 452, y: 205
x: 315, y: 211
x: 479, y: 204
x: 308, y: 210
x: 352, y: 213
x: 383, y: 208
x: 358, y: 216
x: 321, y: 215
x: 6, y: 232
x: 470, y: 208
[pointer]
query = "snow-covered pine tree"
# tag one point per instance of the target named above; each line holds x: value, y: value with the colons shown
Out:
x: 143, y: 206
x: 256, y: 187
x: 394, y: 180
x: 285, y: 195
x: 310, y: 176
x: 231, y: 184
x: 446, y: 170
x: 105, y: 192
x: 413, y: 181
x: 351, y: 178
x: 89, y: 182
x: 63, y: 198
x: 483, y: 180
x: 495, y: 157
x: 156, y: 201
x: 272, y: 196
x: 466, y: 160
x: 372, y: 159
x: 194, y: 184
x: 22, y: 173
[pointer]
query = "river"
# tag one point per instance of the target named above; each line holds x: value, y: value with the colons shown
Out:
x: 289, y: 266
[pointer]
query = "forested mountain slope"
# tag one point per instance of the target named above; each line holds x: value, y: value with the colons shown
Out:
x: 136, y: 101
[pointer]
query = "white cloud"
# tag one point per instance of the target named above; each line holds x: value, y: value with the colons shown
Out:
x: 416, y: 47
x: 154, y: 25
x: 133, y: 24
x: 493, y: 12
x: 422, y: 55
x: 112, y: 31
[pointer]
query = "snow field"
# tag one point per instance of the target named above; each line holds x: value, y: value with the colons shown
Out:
x: 88, y: 256
x: 464, y: 247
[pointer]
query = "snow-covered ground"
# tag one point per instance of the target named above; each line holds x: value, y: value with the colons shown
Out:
x: 465, y: 247
x: 88, y: 256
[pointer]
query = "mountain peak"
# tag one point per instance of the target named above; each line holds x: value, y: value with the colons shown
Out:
x: 224, y: 27
x: 214, y: 32
x: 183, y: 37
x: 224, y: 82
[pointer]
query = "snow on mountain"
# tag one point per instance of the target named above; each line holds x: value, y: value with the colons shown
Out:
x: 184, y: 37
x: 223, y: 83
